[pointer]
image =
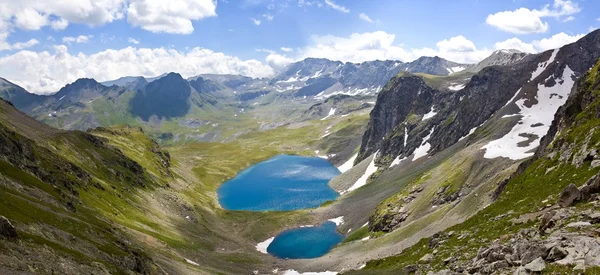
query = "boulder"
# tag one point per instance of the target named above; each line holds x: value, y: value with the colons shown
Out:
x: 536, y: 265
x: 547, y: 221
x: 426, y: 259
x: 556, y: 253
x: 533, y: 252
x: 569, y: 195
x: 7, y: 230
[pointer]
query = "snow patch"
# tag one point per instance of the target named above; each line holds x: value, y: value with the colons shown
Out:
x: 424, y: 148
x: 363, y: 179
x: 61, y: 98
x: 262, y: 246
x: 397, y: 161
x: 513, y: 98
x: 331, y: 113
x: 429, y: 115
x: 542, y: 66
x: 366, y: 238
x: 348, y: 164
x: 535, y: 120
x: 338, y: 221
x: 456, y: 87
x: 191, y: 262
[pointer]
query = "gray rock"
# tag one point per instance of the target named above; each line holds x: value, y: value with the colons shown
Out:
x: 7, y: 230
x: 426, y: 258
x: 578, y: 224
x: 556, y: 253
x: 536, y: 265
x: 569, y: 195
x: 533, y: 251
x: 547, y: 221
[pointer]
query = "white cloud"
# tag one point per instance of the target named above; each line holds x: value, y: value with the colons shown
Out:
x: 173, y: 16
x: 255, y: 21
x: 32, y: 15
x: 30, y: 19
x: 79, y: 39
x: 133, y: 41
x: 360, y: 47
x: 515, y: 43
x: 366, y: 18
x: 4, y: 45
x: 59, y: 24
x: 337, y: 7
x: 286, y: 49
x: 556, y: 41
x: 268, y: 17
x: 44, y: 72
x: 523, y: 20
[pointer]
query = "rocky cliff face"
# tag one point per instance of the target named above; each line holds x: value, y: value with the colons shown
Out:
x: 453, y: 115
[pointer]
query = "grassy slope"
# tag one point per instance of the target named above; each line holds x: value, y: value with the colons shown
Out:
x: 168, y: 213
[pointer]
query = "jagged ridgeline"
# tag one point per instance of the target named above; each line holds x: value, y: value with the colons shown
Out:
x: 545, y: 216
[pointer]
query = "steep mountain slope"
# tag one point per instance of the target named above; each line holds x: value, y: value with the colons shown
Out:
x: 545, y: 217
x: 19, y: 96
x: 397, y: 130
x: 49, y: 180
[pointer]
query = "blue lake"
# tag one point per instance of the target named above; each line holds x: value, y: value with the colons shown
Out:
x: 281, y: 183
x: 305, y: 242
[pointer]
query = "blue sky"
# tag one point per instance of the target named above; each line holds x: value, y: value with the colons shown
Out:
x: 106, y: 39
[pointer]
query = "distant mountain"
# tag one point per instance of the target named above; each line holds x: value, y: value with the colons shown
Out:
x: 322, y: 78
x: 165, y: 97
x: 499, y: 57
x: 18, y: 96
x: 433, y: 65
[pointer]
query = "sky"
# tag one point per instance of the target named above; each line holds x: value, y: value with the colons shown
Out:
x: 46, y: 44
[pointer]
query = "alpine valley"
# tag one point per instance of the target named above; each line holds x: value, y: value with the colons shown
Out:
x: 446, y: 168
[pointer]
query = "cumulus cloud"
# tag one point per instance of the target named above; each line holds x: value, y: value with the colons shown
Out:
x: 32, y: 15
x: 255, y: 21
x: 286, y: 49
x: 556, y: 41
x: 59, y: 24
x: 523, y: 20
x: 4, y: 45
x: 173, y: 16
x: 337, y: 7
x: 79, y: 39
x: 133, y: 41
x: 360, y: 47
x: 366, y: 18
x: 48, y: 71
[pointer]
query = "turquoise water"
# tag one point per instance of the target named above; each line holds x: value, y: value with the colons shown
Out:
x: 281, y: 183
x: 305, y: 242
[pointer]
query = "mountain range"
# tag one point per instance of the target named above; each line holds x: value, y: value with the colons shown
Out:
x: 447, y: 168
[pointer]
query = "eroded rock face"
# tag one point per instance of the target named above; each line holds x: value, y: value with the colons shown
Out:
x: 7, y: 230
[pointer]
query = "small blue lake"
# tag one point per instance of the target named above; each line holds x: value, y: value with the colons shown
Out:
x: 281, y: 183
x: 305, y: 242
